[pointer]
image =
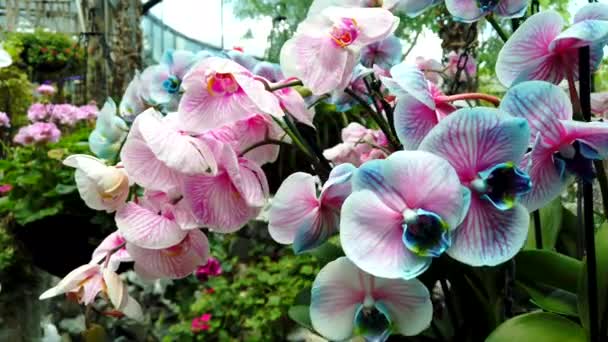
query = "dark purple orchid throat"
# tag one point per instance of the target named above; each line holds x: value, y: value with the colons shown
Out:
x: 502, y: 184
x: 487, y: 5
x: 372, y: 321
x: 576, y: 159
x: 425, y: 233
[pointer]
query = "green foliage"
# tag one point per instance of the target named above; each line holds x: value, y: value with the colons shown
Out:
x: 41, y: 184
x: 45, y: 51
x: 15, y: 94
x: 538, y: 327
x: 251, y: 300
x: 7, y: 249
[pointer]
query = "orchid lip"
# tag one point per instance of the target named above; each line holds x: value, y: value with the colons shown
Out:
x: 222, y: 84
x: 373, y: 321
x: 171, y: 84
x: 345, y: 33
x: 502, y: 184
x: 425, y: 233
x: 577, y: 159
x: 487, y: 5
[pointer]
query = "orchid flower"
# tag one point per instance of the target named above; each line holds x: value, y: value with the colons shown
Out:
x: 343, y: 101
x: 318, y: 6
x: 561, y: 147
x: 430, y: 68
x: 359, y: 144
x: 245, y: 60
x: 109, y: 133
x: 155, y: 221
x: 413, y: 8
x: 248, y: 131
x: 420, y: 104
x: 219, y: 91
x: 269, y: 71
x: 5, y: 58
x: 88, y: 280
x: 163, y: 81
x: 470, y: 11
x: 599, y: 104
x: 539, y: 50
x: 174, y: 262
x: 224, y: 202
x: 101, y: 187
x: 385, y: 53
x: 485, y: 145
x: 157, y: 154
x: 401, y: 213
x: 346, y: 301
x: 325, y: 48
x: 292, y: 102
x: 132, y: 102
x: 110, y: 243
x: 297, y: 215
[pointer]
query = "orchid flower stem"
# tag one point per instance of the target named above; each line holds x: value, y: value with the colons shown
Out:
x: 376, y: 117
x: 111, y: 252
x: 585, y: 106
x: 263, y: 143
x: 319, y: 100
x: 470, y: 96
x: 538, y: 232
x: 292, y: 83
x: 576, y: 103
x: 497, y: 28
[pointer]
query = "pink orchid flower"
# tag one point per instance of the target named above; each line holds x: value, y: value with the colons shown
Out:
x: 101, y: 187
x: 174, y: 262
x: 88, y: 280
x: 318, y: 6
x: 359, y: 144
x: 346, y: 301
x: 157, y: 155
x: 219, y: 91
x: 420, y: 104
x: 293, y: 103
x: 599, y: 104
x: 246, y: 132
x: 472, y: 10
x: 226, y: 201
x: 539, y: 50
x: 326, y: 47
x: 111, y: 242
x: 485, y: 145
x: 297, y: 215
x: 155, y: 221
x: 430, y: 68
x: 561, y: 147
x: 391, y: 229
x: 163, y: 81
x: 385, y: 53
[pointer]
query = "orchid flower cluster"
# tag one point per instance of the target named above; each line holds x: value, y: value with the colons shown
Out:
x: 428, y: 179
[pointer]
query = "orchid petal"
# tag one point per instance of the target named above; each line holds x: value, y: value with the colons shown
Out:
x: 375, y: 24
x: 594, y: 134
x: 511, y: 8
x: 527, y: 51
x: 293, y: 203
x: 336, y: 293
x: 181, y: 62
x: 296, y: 106
x: 488, y: 236
x: 413, y: 121
x: 338, y: 186
x: 408, y: 303
x: 119, y: 296
x: 315, y: 229
x: 413, y: 8
x: 412, y: 81
x: 110, y: 243
x: 147, y: 228
x: 594, y: 11
x: 464, y: 10
x: 174, y: 262
x: 255, y: 90
x: 385, y: 53
x: 153, y: 77
x: 72, y: 280
x: 580, y: 34
x: 542, y: 104
x: 475, y: 139
x: 370, y: 234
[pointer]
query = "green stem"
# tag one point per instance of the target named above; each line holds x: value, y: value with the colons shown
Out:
x: 497, y: 28
x: 263, y: 143
x: 292, y: 83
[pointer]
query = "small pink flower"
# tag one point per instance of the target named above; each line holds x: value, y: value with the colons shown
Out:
x: 430, y: 68
x: 5, y: 188
x: 87, y: 112
x: 5, y: 121
x: 38, y: 112
x: 201, y: 323
x: 359, y: 145
x: 65, y: 114
x: 212, y: 268
x: 38, y: 132
x: 46, y: 89
x: 469, y: 69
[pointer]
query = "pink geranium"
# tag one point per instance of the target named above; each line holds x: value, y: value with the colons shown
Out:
x: 5, y: 189
x: 46, y: 89
x: 5, y: 121
x: 87, y: 112
x: 38, y: 132
x: 64, y: 114
x: 39, y: 112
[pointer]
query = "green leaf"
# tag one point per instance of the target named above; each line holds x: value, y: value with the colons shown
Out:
x: 551, y: 224
x: 548, y: 268
x: 301, y: 315
x: 303, y: 297
x: 601, y: 256
x: 538, y: 327
x: 551, y: 299
x: 327, y: 252
x: 63, y: 189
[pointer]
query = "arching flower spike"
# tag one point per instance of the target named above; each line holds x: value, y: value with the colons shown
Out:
x: 485, y: 147
x: 401, y: 213
x: 297, y: 215
x: 561, y: 147
x: 346, y: 301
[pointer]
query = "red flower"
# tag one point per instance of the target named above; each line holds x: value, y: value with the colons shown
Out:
x: 201, y: 323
